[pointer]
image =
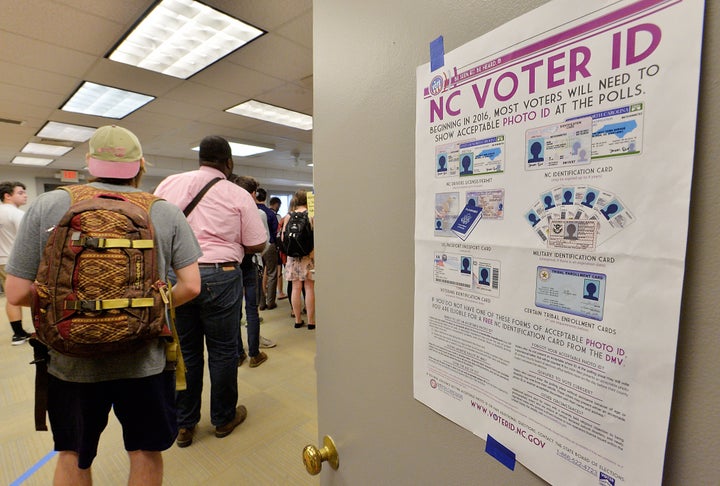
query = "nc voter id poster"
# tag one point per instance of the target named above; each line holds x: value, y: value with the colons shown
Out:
x: 554, y: 159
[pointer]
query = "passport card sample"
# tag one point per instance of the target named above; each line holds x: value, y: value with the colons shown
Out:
x: 492, y: 202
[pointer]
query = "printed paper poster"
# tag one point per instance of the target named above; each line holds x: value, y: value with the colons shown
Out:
x: 548, y: 288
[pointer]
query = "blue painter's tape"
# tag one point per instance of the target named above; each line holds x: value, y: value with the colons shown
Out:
x: 437, y: 54
x: 33, y: 469
x: 500, y: 452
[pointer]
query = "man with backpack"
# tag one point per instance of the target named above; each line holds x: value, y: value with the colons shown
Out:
x: 83, y: 387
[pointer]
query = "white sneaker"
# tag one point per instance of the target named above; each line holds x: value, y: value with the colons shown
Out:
x: 266, y: 343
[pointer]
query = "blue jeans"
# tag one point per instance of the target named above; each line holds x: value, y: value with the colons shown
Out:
x: 211, y: 317
x: 250, y: 291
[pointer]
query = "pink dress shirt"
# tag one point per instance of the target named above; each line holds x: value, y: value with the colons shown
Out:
x: 225, y: 220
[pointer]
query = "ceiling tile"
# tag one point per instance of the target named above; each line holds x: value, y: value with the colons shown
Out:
x: 290, y: 96
x: 48, y: 57
x: 264, y: 14
x: 243, y: 81
x: 81, y: 31
x: 262, y: 55
x: 298, y: 30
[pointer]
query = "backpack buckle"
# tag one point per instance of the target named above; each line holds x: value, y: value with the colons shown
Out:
x: 92, y: 243
x: 89, y: 305
x: 82, y: 305
x: 85, y: 241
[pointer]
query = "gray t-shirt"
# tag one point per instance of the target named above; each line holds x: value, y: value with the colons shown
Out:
x: 177, y: 247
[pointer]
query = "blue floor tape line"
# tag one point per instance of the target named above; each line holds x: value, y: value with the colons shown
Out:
x: 33, y: 469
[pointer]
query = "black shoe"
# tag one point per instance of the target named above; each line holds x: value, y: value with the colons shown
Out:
x: 300, y: 324
x: 311, y: 327
x: 19, y: 339
x: 262, y: 307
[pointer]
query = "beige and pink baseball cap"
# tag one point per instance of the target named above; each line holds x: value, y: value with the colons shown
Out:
x: 115, y: 153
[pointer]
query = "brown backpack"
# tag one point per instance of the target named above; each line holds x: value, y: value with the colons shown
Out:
x: 97, y: 289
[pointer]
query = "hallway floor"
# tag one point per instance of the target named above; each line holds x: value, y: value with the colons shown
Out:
x: 265, y: 450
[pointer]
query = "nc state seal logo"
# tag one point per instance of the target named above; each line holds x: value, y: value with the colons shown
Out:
x: 437, y: 84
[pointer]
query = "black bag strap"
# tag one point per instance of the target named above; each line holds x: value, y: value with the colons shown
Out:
x: 40, y: 360
x: 199, y: 196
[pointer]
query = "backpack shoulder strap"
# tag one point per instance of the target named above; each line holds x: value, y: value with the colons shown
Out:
x: 79, y: 192
x: 82, y: 192
x: 143, y: 199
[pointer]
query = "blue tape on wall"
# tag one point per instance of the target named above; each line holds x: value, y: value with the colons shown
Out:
x: 437, y: 53
x: 500, y: 452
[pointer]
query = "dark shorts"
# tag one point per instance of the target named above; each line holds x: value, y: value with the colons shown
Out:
x: 145, y: 408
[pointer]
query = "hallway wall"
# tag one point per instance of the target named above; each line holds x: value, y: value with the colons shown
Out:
x: 365, y: 55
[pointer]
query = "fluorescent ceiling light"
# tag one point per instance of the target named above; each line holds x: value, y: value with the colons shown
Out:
x: 182, y: 37
x: 243, y: 149
x: 303, y: 184
x: 64, y: 131
x: 31, y: 161
x: 45, y: 149
x: 273, y: 114
x: 99, y: 100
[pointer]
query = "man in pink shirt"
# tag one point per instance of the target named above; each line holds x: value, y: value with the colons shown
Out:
x: 227, y: 226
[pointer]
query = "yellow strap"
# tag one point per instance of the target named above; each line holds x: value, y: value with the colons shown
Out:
x: 100, y: 305
x: 123, y: 243
x: 115, y: 243
x: 172, y: 350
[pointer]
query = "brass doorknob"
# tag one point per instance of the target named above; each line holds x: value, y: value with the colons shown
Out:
x: 314, y: 457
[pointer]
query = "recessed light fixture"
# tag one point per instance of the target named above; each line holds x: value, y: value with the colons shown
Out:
x: 243, y: 149
x: 181, y: 37
x: 273, y: 114
x: 105, y: 101
x: 65, y: 131
x: 19, y: 160
x: 304, y: 184
x: 45, y: 149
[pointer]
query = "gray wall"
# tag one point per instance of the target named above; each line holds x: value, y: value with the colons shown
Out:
x: 365, y: 56
x: 694, y: 439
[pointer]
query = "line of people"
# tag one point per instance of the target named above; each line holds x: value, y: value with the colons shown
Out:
x: 209, y: 253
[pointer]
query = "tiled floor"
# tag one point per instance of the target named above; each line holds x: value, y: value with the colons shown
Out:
x: 266, y: 450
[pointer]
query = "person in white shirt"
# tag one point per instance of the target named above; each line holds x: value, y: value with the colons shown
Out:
x: 13, y: 196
